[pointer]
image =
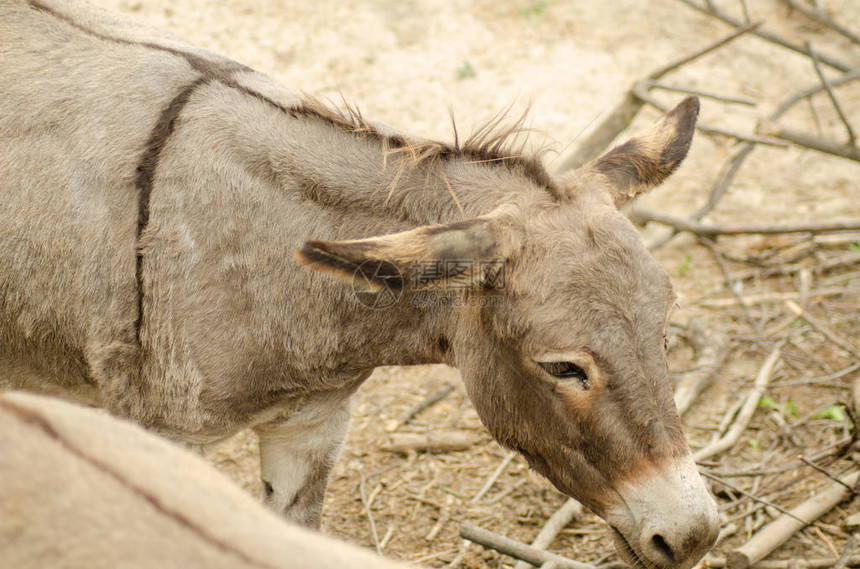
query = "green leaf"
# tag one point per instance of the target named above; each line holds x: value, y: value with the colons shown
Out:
x: 533, y: 11
x: 754, y: 444
x: 466, y: 71
x: 684, y: 267
x: 834, y: 412
x: 769, y: 402
x: 787, y: 409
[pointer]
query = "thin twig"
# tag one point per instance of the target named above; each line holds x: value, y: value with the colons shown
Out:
x: 822, y: 18
x: 640, y: 89
x: 817, y: 456
x: 730, y: 282
x: 846, y: 151
x: 822, y: 470
x: 821, y: 266
x: 734, y: 165
x: 794, y: 563
x: 848, y: 77
x: 824, y: 83
x: 516, y: 549
x: 446, y: 441
x: 494, y: 476
x: 845, y: 558
x: 389, y: 533
x: 700, y: 93
x: 433, y: 556
x: 736, y: 33
x: 759, y: 298
x: 563, y: 516
x: 745, y: 414
x: 621, y: 116
x: 642, y: 215
x: 369, y: 514
x: 824, y: 329
x: 422, y: 405
x: 751, y: 496
x: 712, y: 10
x: 444, y: 516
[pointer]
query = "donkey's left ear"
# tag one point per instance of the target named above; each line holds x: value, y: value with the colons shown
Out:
x: 431, y: 255
x: 645, y: 161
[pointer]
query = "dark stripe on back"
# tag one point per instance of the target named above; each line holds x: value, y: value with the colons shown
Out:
x: 158, y: 137
x: 164, y: 126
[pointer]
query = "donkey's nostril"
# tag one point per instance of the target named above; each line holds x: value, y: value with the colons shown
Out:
x: 662, y: 548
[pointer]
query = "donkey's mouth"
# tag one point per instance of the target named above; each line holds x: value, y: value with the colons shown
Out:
x: 626, y: 552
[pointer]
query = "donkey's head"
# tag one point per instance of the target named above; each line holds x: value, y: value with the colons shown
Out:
x: 563, y: 354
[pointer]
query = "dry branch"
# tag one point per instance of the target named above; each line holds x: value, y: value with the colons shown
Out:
x: 849, y: 550
x: 720, y: 563
x: 422, y: 405
x: 430, y: 442
x: 640, y: 89
x: 516, y: 549
x: 810, y: 141
x: 746, y: 412
x: 557, y: 522
x: 699, y: 93
x: 643, y: 215
x: 711, y: 349
x: 369, y: 515
x: 789, y: 269
x: 494, y: 476
x: 824, y: 19
x: 734, y: 165
x: 712, y: 10
x: 849, y: 76
x: 621, y: 116
x: 758, y: 298
x: 781, y: 529
x: 824, y: 329
x: 824, y: 83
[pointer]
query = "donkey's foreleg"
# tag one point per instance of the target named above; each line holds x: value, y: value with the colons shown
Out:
x: 296, y: 457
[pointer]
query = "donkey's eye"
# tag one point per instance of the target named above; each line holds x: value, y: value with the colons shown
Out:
x: 567, y: 370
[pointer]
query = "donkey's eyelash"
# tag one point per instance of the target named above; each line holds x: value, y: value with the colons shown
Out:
x: 567, y: 370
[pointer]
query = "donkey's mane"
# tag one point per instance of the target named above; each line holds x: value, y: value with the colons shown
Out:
x: 497, y: 142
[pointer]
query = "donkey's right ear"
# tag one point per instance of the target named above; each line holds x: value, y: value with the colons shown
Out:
x: 426, y: 256
x: 645, y: 161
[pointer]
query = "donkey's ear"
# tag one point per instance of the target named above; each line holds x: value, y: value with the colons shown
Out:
x: 645, y: 161
x: 423, y: 257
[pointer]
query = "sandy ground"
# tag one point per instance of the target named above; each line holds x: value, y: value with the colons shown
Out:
x: 406, y: 62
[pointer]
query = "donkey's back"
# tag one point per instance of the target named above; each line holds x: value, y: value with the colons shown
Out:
x: 87, y: 105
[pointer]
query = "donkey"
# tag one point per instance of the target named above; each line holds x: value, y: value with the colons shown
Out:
x: 155, y: 196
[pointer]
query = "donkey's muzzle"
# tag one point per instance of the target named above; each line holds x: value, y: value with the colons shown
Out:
x: 667, y: 518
